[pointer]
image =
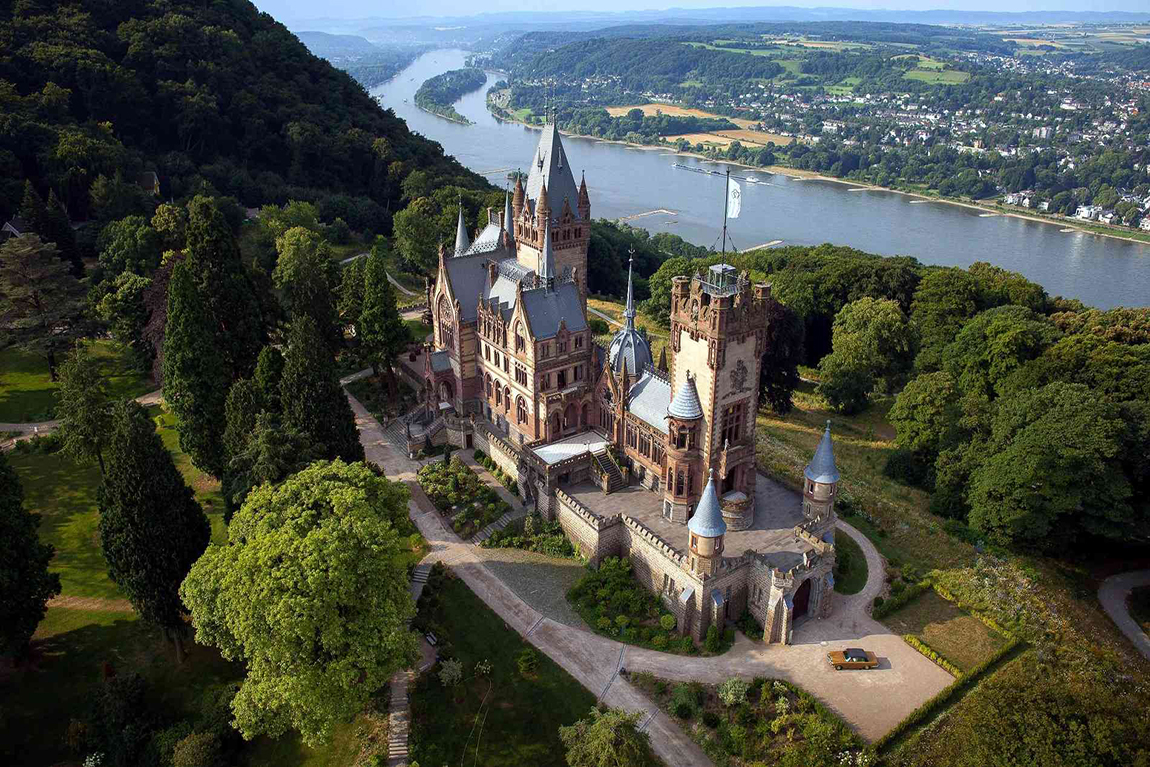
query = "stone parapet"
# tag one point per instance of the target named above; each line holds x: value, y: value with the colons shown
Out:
x: 649, y: 535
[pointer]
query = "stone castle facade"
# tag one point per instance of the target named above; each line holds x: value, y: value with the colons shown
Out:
x: 652, y: 462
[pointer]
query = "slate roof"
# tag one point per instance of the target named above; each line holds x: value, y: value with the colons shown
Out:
x: 488, y: 241
x: 550, y: 168
x: 440, y: 361
x: 628, y: 343
x: 468, y: 276
x: 462, y: 241
x: 648, y: 400
x: 822, y: 466
x: 707, y: 521
x: 545, y: 308
x: 686, y: 403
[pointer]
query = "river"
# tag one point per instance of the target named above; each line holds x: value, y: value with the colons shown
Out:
x: 627, y: 181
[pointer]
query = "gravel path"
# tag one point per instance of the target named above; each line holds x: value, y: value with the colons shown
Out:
x: 1113, y: 594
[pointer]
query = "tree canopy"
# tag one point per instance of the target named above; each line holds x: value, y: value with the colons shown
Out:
x: 309, y: 593
x: 608, y: 739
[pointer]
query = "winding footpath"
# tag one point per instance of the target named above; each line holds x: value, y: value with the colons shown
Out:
x: 1113, y: 594
x: 871, y: 702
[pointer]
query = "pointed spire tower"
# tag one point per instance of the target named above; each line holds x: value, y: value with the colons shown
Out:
x: 706, y: 529
x: 546, y: 272
x: 822, y: 480
x: 517, y: 197
x: 462, y: 242
x: 584, y: 199
x: 508, y: 223
x: 629, y: 346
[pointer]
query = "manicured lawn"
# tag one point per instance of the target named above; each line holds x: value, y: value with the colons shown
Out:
x: 506, y: 719
x: 850, y: 565
x: 954, y: 633
x: 28, y: 394
x: 1140, y: 607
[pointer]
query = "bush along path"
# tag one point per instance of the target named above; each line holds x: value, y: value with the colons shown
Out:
x: 905, y: 680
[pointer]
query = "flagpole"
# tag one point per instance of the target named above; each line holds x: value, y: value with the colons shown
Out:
x: 726, y: 199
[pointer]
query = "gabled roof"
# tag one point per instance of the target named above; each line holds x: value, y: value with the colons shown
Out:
x: 648, y: 400
x: 822, y: 466
x: 545, y: 308
x: 467, y: 274
x: 549, y: 167
x: 686, y: 404
x: 488, y: 241
x: 707, y: 521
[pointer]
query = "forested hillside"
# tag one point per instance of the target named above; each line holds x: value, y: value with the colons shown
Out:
x: 216, y: 98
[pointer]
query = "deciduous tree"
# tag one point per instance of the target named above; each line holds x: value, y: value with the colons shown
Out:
x: 608, y: 739
x: 309, y: 593
x: 82, y: 407
x: 779, y: 374
x: 307, y: 275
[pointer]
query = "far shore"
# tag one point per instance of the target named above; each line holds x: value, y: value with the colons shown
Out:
x: 806, y: 175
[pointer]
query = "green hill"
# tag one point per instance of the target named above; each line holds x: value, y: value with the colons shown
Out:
x: 211, y: 96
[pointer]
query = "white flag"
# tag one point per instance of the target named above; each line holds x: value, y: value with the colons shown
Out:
x: 734, y: 200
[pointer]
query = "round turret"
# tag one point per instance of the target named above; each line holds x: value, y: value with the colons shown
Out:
x: 706, y: 529
x: 821, y: 479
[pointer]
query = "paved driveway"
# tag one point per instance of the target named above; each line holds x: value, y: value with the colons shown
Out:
x: 1113, y: 593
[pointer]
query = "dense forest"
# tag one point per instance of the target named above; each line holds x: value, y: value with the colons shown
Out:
x: 215, y: 98
x: 437, y: 94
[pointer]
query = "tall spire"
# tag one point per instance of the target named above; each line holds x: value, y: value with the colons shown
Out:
x: 462, y: 242
x: 508, y: 220
x: 629, y: 312
x: 547, y: 259
x: 822, y: 467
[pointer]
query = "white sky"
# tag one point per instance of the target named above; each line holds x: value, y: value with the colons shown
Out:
x: 352, y: 9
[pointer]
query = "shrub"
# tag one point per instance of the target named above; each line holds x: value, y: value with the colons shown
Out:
x: 906, y: 595
x: 925, y: 649
x: 714, y: 639
x: 660, y: 641
x: 200, y: 749
x: 733, y: 691
x: 450, y: 672
x: 527, y: 661
x: 604, y: 624
x: 711, y: 719
x: 683, y: 710
x: 683, y: 697
x: 622, y: 621
x: 667, y: 621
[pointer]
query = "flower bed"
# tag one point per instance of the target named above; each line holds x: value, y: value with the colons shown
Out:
x: 740, y: 724
x: 535, y: 534
x: 504, y: 478
x: 459, y: 494
x: 612, y: 603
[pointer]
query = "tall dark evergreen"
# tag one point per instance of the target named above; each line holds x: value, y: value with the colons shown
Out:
x: 230, y: 301
x: 779, y: 373
x: 196, y: 376
x: 313, y: 401
x: 269, y: 373
x: 271, y: 452
x: 308, y: 278
x: 243, y: 405
x: 152, y: 529
x: 58, y: 229
x: 382, y: 334
x: 25, y: 583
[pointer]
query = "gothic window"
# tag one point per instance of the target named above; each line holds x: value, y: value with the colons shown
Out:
x: 498, y: 396
x: 496, y: 359
x: 505, y: 363
x: 520, y: 344
x: 520, y: 375
x: 487, y: 352
x: 578, y: 372
x: 446, y: 324
x: 506, y: 397
x: 545, y: 382
x: 657, y: 454
x: 679, y: 482
x: 488, y: 386
x: 521, y: 411
x: 631, y: 437
x: 644, y: 445
x: 561, y: 347
x: 544, y: 351
x: 561, y: 377
x: 578, y: 342
x: 733, y: 422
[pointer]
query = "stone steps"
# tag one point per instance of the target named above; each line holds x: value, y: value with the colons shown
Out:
x: 398, y: 720
x: 607, y: 465
x: 421, y: 573
x: 498, y: 524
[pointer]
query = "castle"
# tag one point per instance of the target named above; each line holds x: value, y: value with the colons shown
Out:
x: 655, y: 463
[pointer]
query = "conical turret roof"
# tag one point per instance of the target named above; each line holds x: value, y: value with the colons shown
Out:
x: 629, y: 344
x: 707, y: 520
x: 686, y: 406
x: 822, y: 466
x: 508, y: 222
x: 462, y: 241
x: 546, y: 258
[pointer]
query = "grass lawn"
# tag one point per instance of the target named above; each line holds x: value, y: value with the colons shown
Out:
x: 950, y: 631
x: 206, y: 487
x: 506, y: 719
x: 1140, y: 607
x: 28, y: 394
x: 937, y: 76
x: 850, y: 565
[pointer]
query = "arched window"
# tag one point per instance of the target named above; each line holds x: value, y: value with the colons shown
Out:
x: 520, y: 343
x: 507, y: 398
x: 521, y: 411
x: 489, y: 386
x: 446, y: 324
x: 498, y: 396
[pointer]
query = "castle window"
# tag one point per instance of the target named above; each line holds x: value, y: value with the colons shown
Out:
x: 498, y: 396
x: 644, y: 445
x: 520, y: 375
x: 545, y: 382
x: 446, y: 324
x: 544, y: 351
x: 630, y: 437
x: 679, y: 483
x: 561, y: 347
x: 505, y: 363
x: 521, y: 411
x: 578, y: 342
x: 486, y: 352
x: 733, y: 417
x: 496, y: 359
x: 562, y: 378
x: 578, y: 233
x: 694, y: 540
x: 578, y: 372
x: 506, y: 397
x: 489, y: 386
x: 520, y: 344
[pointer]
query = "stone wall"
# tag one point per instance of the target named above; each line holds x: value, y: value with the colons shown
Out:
x: 596, y: 537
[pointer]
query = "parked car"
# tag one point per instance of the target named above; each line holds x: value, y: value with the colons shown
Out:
x: 852, y: 657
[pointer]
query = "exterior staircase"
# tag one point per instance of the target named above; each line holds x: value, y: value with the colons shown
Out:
x: 607, y: 466
x: 420, y: 574
x: 498, y: 524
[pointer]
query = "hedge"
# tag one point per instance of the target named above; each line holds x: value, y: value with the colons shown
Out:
x: 926, y: 650
x: 885, y: 608
x: 958, y: 686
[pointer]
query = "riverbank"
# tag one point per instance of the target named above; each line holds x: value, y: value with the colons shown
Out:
x: 1064, y: 223
x: 455, y: 117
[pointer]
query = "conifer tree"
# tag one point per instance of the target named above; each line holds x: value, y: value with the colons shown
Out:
x: 307, y: 276
x: 269, y: 373
x: 152, y: 529
x: 272, y: 452
x: 382, y: 334
x: 196, y: 379
x: 32, y: 208
x: 313, y: 401
x: 225, y: 289
x: 243, y: 406
x: 25, y: 583
x: 82, y: 407
x: 58, y: 229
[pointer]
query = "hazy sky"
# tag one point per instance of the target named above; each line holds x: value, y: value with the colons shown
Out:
x: 348, y: 9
